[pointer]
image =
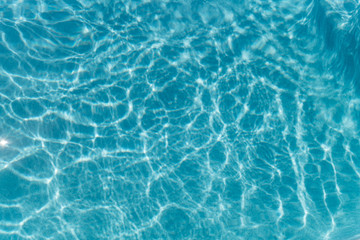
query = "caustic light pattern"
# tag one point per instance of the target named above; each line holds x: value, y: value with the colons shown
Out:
x: 198, y: 119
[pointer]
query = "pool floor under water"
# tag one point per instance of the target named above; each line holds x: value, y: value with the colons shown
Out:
x: 197, y: 119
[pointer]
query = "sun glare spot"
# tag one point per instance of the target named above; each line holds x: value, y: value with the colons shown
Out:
x: 3, y: 142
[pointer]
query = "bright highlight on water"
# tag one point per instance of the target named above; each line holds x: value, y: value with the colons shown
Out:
x: 3, y: 142
x: 204, y: 120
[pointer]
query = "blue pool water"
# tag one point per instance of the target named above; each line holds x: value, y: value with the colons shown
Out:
x: 198, y: 119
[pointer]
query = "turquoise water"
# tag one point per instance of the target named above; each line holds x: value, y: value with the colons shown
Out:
x: 180, y: 119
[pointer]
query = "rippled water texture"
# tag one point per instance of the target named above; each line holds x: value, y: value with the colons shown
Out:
x: 201, y: 119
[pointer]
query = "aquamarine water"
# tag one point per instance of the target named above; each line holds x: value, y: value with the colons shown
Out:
x: 198, y: 119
